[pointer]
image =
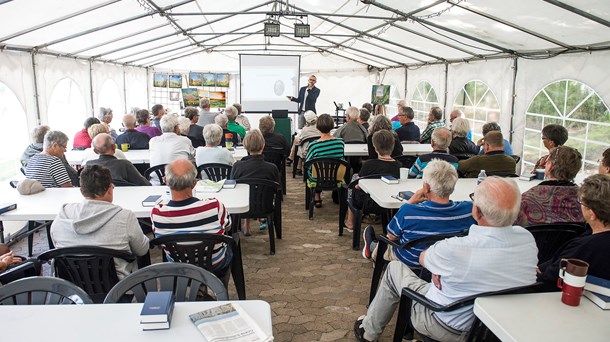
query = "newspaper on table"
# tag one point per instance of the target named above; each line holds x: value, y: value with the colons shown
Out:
x: 206, y: 185
x: 228, y: 322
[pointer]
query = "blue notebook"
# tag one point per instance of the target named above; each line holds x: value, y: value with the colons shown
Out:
x: 158, y: 307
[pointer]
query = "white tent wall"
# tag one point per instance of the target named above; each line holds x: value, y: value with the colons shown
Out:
x: 16, y: 74
x: 136, y: 84
x: 433, y: 74
x: 101, y: 73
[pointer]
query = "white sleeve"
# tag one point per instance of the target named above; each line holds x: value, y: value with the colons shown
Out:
x: 438, y: 258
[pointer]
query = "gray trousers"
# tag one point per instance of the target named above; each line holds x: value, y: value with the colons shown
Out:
x: 379, y: 314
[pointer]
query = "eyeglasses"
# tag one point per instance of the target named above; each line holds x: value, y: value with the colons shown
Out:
x: 579, y: 201
x: 471, y: 196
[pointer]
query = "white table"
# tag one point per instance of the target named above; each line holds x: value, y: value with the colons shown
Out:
x: 139, y: 156
x: 355, y: 150
x: 381, y: 192
x: 110, y: 322
x: 542, y: 317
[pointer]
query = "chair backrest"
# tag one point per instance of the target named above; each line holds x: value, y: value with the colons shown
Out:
x: 516, y: 158
x: 89, y: 267
x: 214, y: 171
x: 328, y: 172
x: 27, y: 268
x: 42, y: 291
x: 463, y: 156
x: 187, y: 282
x: 158, y: 170
x: 195, y: 249
x: 264, y: 196
x: 406, y: 161
x: 276, y: 157
x: 502, y: 174
x: 552, y: 236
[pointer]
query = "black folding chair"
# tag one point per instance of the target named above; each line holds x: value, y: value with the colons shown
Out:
x: 159, y: 171
x: 25, y: 269
x: 277, y: 158
x: 42, y: 291
x: 330, y: 174
x: 214, y: 171
x: 551, y: 237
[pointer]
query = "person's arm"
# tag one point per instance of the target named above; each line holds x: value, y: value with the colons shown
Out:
x: 60, y: 174
x: 415, y: 169
x: 426, y: 134
x: 138, y: 242
x: 223, y: 217
x: 418, y: 197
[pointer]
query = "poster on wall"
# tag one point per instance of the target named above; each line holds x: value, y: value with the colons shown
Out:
x: 174, y: 96
x: 218, y: 99
x: 209, y: 80
x: 160, y: 80
x: 222, y: 80
x: 190, y: 97
x: 175, y: 81
x: 195, y: 79
x: 380, y: 94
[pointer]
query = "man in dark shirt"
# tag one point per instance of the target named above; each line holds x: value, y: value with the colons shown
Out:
x: 123, y: 172
x: 408, y: 131
x: 136, y: 140
x: 493, y: 161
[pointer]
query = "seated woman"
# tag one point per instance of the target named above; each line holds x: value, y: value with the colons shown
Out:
x: 325, y: 147
x: 94, y: 130
x: 308, y: 131
x: 273, y: 141
x: 254, y: 166
x: 381, y: 122
x: 554, y: 200
x: 212, y: 152
x: 552, y: 136
x: 461, y: 146
x: 604, y: 163
x: 594, y: 199
x: 383, y: 140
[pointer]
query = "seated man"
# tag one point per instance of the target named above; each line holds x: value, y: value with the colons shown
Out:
x: 187, y: 214
x: 46, y: 166
x: 493, y: 161
x: 407, y: 131
x: 435, y: 120
x: 123, y: 172
x: 136, y: 140
x: 98, y: 222
x: 364, y: 117
x: 242, y: 119
x: 36, y: 147
x: 352, y: 131
x: 429, y: 211
x: 441, y: 139
x: 494, y: 256
x: 490, y: 127
x: 169, y: 146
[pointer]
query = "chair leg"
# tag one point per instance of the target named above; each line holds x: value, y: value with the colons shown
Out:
x: 342, y: 208
x: 378, y: 270
x: 237, y: 271
x: 307, y: 199
x: 403, y: 319
x: 31, y: 226
x: 271, y: 230
x: 357, y: 229
x: 312, y: 198
x: 277, y: 222
x: 51, y: 244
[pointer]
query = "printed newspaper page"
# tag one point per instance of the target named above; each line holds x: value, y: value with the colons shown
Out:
x: 228, y: 322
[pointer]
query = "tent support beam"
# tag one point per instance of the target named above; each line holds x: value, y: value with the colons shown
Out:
x: 35, y: 80
x: 579, y: 12
x: 513, y: 100
x: 91, y: 87
x: 239, y: 33
x: 296, y: 14
x: 146, y: 30
x: 124, y: 90
x: 435, y: 40
x: 446, y: 91
x: 331, y: 52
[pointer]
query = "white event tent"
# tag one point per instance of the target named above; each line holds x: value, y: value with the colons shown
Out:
x: 523, y: 63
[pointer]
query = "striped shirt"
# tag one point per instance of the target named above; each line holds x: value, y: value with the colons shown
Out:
x: 414, y: 221
x: 417, y: 170
x: 48, y: 170
x: 192, y: 216
x: 426, y: 135
x: 332, y: 148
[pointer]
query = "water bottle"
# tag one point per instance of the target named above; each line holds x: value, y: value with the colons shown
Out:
x: 481, y: 177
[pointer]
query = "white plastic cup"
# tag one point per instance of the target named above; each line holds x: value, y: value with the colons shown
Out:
x: 404, y: 174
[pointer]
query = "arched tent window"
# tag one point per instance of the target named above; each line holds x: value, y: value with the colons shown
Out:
x: 110, y: 97
x: 136, y: 95
x: 13, y: 133
x: 479, y: 105
x: 423, y: 99
x: 67, y: 109
x: 575, y: 106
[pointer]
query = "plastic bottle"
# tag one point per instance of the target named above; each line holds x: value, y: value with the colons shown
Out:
x: 481, y: 177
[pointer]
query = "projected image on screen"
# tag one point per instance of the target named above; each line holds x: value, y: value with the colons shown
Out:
x: 266, y: 80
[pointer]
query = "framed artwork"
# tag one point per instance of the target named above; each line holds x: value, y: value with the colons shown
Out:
x: 209, y: 80
x: 175, y: 81
x: 160, y: 80
x: 174, y: 96
x: 203, y: 93
x: 195, y: 79
x: 222, y: 80
x: 190, y: 97
x: 380, y: 94
x: 218, y: 99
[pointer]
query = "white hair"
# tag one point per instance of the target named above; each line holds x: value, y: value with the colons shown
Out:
x: 221, y: 120
x: 184, y: 124
x: 231, y: 113
x: 441, y: 137
x: 352, y: 112
x: 460, y: 127
x: 499, y: 200
x: 54, y: 137
x: 212, y: 134
x: 168, y: 123
x: 441, y: 177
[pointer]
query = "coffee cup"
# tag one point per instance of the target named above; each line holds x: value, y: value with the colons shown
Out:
x: 540, y: 174
x: 124, y: 147
x: 404, y: 174
x: 572, y: 278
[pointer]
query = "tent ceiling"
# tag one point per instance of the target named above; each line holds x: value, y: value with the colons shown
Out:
x: 380, y: 33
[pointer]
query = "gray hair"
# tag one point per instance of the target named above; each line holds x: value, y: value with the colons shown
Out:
x: 204, y: 103
x: 491, y: 198
x: 221, y: 120
x: 168, y: 123
x: 39, y: 132
x: 352, y: 112
x: 441, y: 177
x: 441, y: 137
x: 180, y: 182
x: 103, y: 113
x: 460, y: 127
x: 231, y: 113
x: 103, y: 143
x: 490, y: 127
x: 184, y: 124
x: 54, y: 137
x: 380, y: 122
x: 212, y: 134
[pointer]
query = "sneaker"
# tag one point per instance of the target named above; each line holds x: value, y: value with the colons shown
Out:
x: 247, y: 234
x: 263, y: 225
x: 369, y: 238
x: 359, y: 330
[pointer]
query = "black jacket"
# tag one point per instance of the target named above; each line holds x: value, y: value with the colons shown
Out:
x: 310, y: 102
x: 462, y: 146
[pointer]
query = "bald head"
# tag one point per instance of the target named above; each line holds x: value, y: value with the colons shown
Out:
x: 498, y: 201
x: 103, y: 144
x: 180, y: 175
x: 456, y: 113
x: 129, y: 121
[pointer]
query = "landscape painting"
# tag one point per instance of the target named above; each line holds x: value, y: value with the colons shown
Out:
x: 222, y: 80
x: 209, y: 80
x: 218, y: 99
x: 160, y: 80
x: 190, y: 97
x: 175, y: 81
x: 195, y: 79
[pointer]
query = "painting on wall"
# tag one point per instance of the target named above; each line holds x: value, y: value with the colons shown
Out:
x: 222, y: 80
x: 174, y: 96
x: 218, y: 99
x: 190, y: 97
x: 209, y: 80
x: 175, y: 81
x: 195, y: 79
x: 380, y: 94
x: 160, y: 80
x: 203, y: 93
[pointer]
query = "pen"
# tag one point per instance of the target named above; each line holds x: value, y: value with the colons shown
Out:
x: 397, y: 197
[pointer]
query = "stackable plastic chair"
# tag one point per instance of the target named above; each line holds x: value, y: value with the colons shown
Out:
x: 42, y: 291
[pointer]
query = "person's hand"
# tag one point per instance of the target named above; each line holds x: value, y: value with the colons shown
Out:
x: 8, y: 259
x: 436, y: 280
x: 480, y: 142
x: 418, y: 197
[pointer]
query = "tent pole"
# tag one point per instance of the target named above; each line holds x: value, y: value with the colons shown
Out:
x: 406, y: 80
x: 513, y: 100
x: 91, y: 86
x: 36, y: 96
x: 147, y: 87
x: 446, y: 90
x: 124, y: 90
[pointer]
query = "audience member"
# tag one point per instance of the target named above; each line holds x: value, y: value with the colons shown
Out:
x: 273, y: 141
x: 136, y: 140
x: 351, y: 130
x: 494, y: 161
x: 233, y: 126
x: 494, y: 256
x: 186, y: 214
x: 222, y: 121
x: 408, y: 131
x: 97, y: 222
x: 380, y: 109
x: 169, y: 146
x: 368, y: 107
x: 7, y: 257
x: 184, y: 125
x: 428, y: 211
x: 441, y: 138
x: 381, y: 122
x: 399, y: 107
x: 461, y: 146
x: 143, y: 118
x: 89, y: 153
x: 205, y: 116
x: 363, y: 119
x: 325, y: 147
x: 105, y: 115
x: 309, y: 130
x: 604, y: 163
x: 123, y: 172
x: 435, y: 120
x: 195, y: 133
x: 490, y: 127
x: 157, y: 112
x: 241, y: 119
x: 82, y: 140
x: 212, y: 152
x: 46, y: 166
x: 552, y: 136
x: 556, y: 199
x: 594, y: 199
x: 36, y: 146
